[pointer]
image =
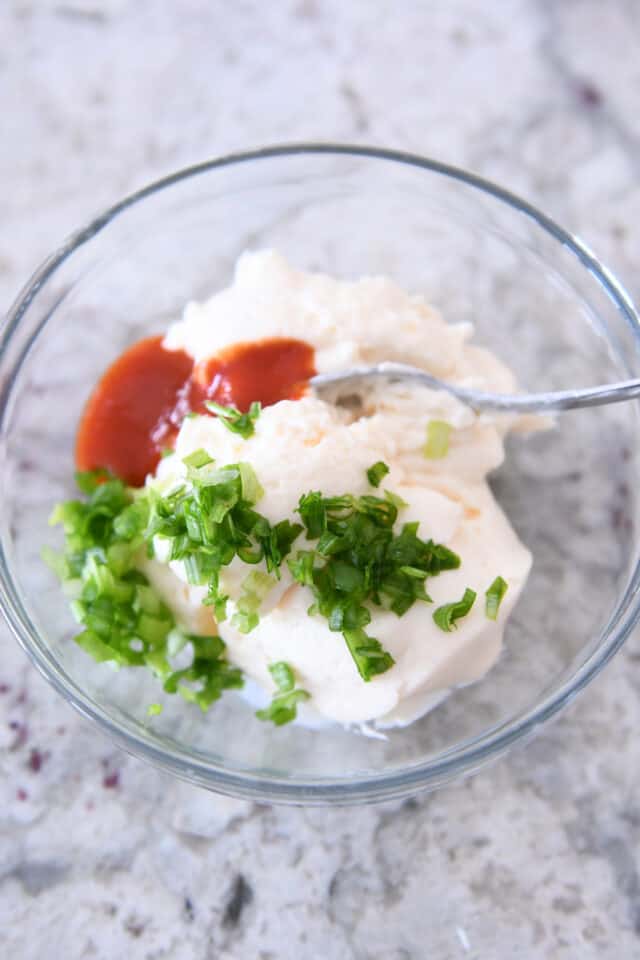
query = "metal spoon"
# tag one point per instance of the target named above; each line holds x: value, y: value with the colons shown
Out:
x: 508, y: 403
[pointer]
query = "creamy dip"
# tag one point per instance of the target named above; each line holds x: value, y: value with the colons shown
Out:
x: 311, y: 444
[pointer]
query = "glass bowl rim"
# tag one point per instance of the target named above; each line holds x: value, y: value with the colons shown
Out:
x: 460, y: 759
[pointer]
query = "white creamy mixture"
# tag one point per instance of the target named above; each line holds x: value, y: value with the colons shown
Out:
x: 310, y: 444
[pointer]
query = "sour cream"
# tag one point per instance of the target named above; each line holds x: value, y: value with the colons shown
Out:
x: 310, y: 444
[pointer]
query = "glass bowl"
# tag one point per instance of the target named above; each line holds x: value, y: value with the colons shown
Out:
x: 536, y: 295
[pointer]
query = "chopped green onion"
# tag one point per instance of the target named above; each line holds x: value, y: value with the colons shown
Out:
x: 252, y: 492
x: 283, y: 676
x: 447, y: 615
x: 396, y: 500
x: 124, y: 619
x: 254, y: 590
x: 414, y: 572
x: 494, y: 596
x: 199, y: 458
x: 377, y: 472
x: 234, y: 420
x: 437, y: 445
x: 369, y: 656
x: 154, y: 709
x: 301, y: 567
x: 284, y: 705
x: 357, y: 560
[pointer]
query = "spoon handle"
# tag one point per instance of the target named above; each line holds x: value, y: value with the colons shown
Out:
x: 478, y: 400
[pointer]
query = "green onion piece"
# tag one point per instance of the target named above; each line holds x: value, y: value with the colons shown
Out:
x: 437, y: 445
x: 368, y: 655
x: 301, y: 567
x: 284, y: 705
x: 446, y: 616
x: 100, y: 651
x: 234, y: 420
x: 415, y: 572
x: 396, y: 500
x: 284, y: 708
x: 494, y: 596
x: 154, y: 709
x: 312, y: 510
x: 199, y: 458
x: 283, y: 676
x: 377, y: 472
x: 254, y: 589
x: 252, y: 492
x: 208, y: 676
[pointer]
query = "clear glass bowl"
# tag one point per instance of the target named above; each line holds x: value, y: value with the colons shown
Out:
x: 537, y: 296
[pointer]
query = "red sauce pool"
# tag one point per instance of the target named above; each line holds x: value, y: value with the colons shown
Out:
x: 265, y: 370
x: 137, y: 407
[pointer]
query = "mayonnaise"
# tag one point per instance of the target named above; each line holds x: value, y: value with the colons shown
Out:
x: 310, y: 444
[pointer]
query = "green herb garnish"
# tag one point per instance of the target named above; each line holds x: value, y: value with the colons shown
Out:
x: 199, y: 458
x: 437, y: 445
x: 396, y: 500
x: 89, y: 480
x: 377, y: 472
x: 212, y: 521
x: 284, y: 705
x: 494, y: 596
x: 254, y: 589
x: 354, y: 560
x: 446, y: 616
x: 234, y: 420
x: 358, y: 560
x: 123, y: 619
x: 207, y: 677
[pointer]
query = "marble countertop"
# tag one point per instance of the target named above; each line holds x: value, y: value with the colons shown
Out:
x: 100, y: 855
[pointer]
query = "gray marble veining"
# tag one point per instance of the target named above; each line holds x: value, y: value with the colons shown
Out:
x: 539, y: 856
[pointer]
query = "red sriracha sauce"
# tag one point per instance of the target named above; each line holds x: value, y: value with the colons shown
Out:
x: 136, y: 410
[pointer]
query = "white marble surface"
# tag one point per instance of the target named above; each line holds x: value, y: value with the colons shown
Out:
x: 102, y: 857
